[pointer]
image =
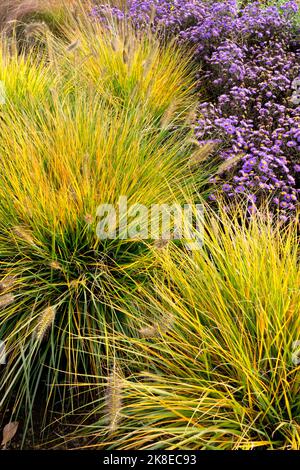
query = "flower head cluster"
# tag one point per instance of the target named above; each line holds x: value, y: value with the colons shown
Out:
x: 248, y: 60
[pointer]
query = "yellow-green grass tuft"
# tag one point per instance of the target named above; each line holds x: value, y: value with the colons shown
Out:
x: 225, y: 374
x: 72, y: 137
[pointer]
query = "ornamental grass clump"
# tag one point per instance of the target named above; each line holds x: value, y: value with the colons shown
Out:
x: 80, y: 127
x: 249, y: 64
x: 29, y: 20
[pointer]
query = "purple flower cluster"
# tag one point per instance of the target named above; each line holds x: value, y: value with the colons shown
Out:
x: 248, y: 62
x: 161, y: 15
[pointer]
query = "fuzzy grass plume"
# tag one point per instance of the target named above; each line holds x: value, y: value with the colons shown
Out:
x: 45, y: 321
x: 22, y: 13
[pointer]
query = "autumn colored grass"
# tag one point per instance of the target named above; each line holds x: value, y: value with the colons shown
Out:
x: 223, y: 371
x: 88, y: 118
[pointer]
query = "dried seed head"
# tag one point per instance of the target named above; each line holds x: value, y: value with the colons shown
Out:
x: 72, y: 193
x: 126, y: 40
x: 22, y: 232
x: 89, y: 219
x: 114, y: 44
x: 167, y: 322
x: 149, y: 331
x: 45, y: 321
x: 152, y: 14
x: 37, y: 28
x: 168, y: 115
x: 229, y: 163
x: 200, y: 155
x: 75, y: 283
x: 6, y: 300
x: 125, y: 57
x: 192, y: 115
x: 9, y: 432
x: 161, y: 243
x: 147, y: 65
x: 162, y: 326
x: 148, y: 377
x: 55, y: 265
x: 113, y: 398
